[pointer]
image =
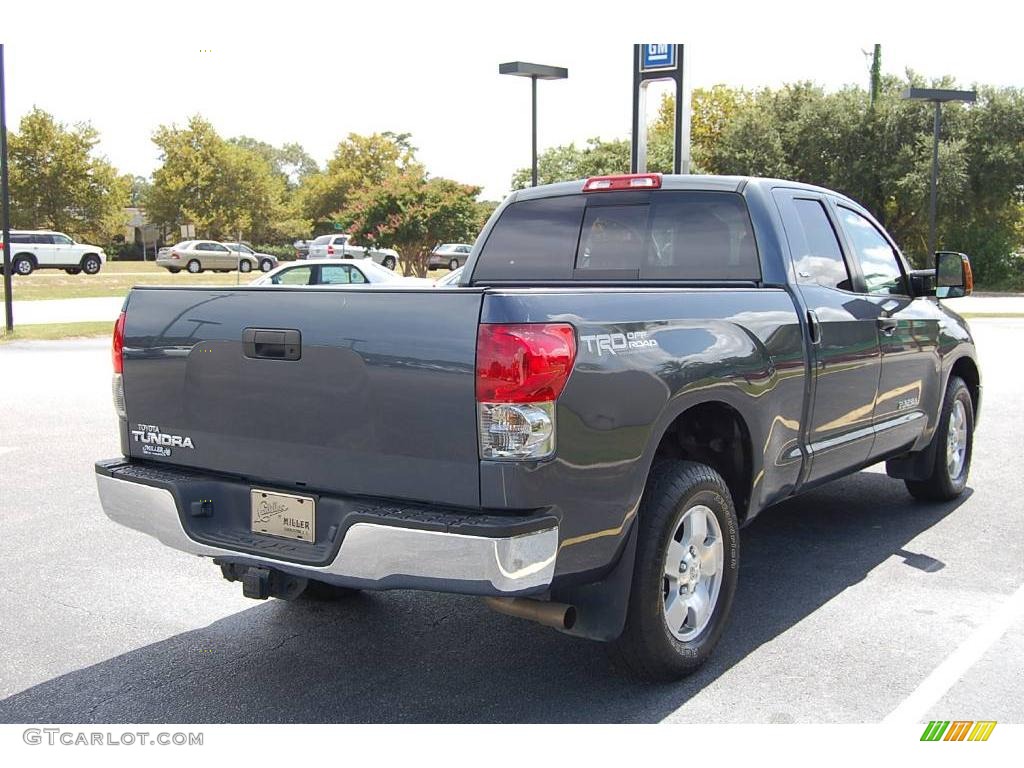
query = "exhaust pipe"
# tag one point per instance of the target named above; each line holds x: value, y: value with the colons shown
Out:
x: 558, y: 615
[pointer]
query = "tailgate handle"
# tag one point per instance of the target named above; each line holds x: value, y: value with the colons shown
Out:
x: 271, y: 344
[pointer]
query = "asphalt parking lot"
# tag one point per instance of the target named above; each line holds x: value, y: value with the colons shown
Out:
x: 852, y: 605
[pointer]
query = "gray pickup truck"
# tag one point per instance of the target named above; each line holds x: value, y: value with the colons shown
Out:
x: 630, y: 369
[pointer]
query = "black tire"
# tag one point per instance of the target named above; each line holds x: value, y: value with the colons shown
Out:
x: 322, y: 591
x: 266, y: 265
x: 174, y: 270
x: 73, y: 270
x: 91, y: 264
x: 941, y: 485
x: 244, y: 266
x: 194, y: 267
x: 23, y: 266
x: 389, y: 262
x: 453, y: 265
x: 647, y: 646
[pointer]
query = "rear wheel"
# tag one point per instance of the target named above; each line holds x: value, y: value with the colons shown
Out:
x: 389, y: 262
x: 91, y: 264
x: 453, y: 265
x: 23, y: 266
x: 685, y: 574
x: 954, y: 443
x: 194, y: 267
x: 245, y: 266
x: 73, y: 270
x: 174, y: 270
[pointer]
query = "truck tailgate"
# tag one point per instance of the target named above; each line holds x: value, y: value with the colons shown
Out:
x: 380, y: 401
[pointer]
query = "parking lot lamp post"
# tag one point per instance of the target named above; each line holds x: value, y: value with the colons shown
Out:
x: 937, y: 96
x: 5, y: 201
x: 535, y: 72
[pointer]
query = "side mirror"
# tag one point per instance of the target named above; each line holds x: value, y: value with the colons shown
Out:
x: 953, y: 276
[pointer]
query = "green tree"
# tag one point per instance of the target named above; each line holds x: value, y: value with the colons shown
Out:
x: 412, y: 213
x: 568, y: 162
x: 58, y: 181
x: 222, y: 187
x: 291, y: 161
x: 359, y: 161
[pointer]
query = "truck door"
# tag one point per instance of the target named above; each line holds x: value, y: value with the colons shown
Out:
x: 844, y: 351
x: 908, y: 334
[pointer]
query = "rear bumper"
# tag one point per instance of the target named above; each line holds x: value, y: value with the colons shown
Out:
x: 513, y: 558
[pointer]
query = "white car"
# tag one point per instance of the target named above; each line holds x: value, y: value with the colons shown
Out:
x: 45, y: 249
x: 342, y: 247
x: 337, y: 272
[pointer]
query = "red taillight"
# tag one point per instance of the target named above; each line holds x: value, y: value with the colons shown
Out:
x: 526, y: 363
x: 330, y: 250
x: 623, y: 181
x: 174, y: 255
x: 117, y: 350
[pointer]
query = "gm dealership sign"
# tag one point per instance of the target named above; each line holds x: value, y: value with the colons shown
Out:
x: 658, y: 56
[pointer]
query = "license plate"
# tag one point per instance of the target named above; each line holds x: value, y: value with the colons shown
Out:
x: 282, y: 514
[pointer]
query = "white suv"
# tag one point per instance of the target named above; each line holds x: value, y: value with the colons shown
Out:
x: 43, y: 249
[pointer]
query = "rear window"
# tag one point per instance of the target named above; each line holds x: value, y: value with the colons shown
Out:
x: 666, y: 235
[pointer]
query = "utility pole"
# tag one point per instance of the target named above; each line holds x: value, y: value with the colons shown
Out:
x: 876, y: 73
x: 5, y: 200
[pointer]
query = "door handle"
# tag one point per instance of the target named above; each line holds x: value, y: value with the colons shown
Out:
x: 887, y: 325
x: 813, y: 326
x: 271, y: 344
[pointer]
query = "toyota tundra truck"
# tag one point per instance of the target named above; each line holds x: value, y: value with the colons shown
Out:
x: 630, y: 369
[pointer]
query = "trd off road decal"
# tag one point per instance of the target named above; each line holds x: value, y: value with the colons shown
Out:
x: 157, y: 443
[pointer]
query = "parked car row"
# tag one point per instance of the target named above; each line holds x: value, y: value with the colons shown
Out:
x: 45, y: 249
x: 196, y: 256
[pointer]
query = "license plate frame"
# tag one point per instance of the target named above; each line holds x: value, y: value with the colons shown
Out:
x: 283, y: 515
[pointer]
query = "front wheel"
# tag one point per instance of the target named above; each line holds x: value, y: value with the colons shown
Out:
x: 194, y: 267
x: 91, y: 265
x: 389, y: 262
x: 684, y: 579
x: 954, y: 443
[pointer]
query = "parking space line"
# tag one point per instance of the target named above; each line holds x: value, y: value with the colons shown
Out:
x: 914, y: 708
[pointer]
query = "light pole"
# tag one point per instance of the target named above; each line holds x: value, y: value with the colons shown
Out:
x: 937, y: 96
x: 535, y: 72
x: 5, y: 202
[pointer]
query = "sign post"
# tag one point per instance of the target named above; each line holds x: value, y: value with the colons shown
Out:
x: 654, y: 62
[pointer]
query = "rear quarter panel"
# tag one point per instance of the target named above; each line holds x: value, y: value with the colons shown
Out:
x: 741, y: 347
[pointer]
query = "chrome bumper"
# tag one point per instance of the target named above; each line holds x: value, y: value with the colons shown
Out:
x: 386, y: 554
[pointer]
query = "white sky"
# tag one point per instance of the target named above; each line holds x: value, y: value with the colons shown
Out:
x: 313, y: 72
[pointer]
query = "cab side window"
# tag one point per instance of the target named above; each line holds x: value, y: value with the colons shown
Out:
x: 817, y: 256
x: 878, y: 261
